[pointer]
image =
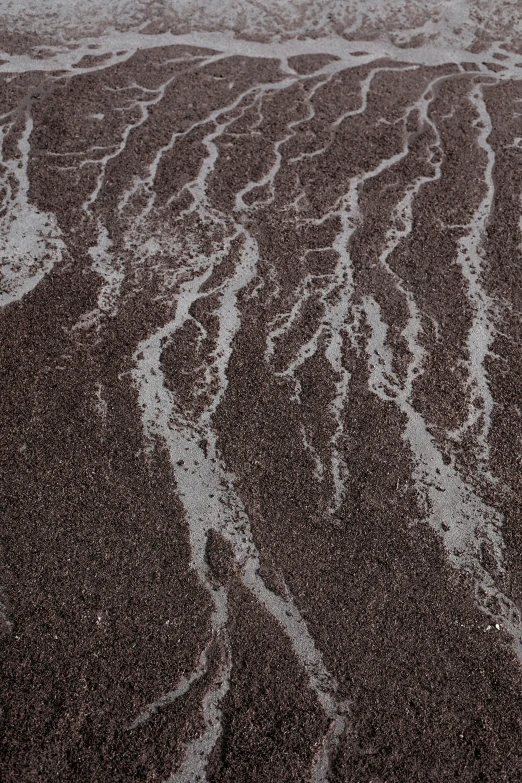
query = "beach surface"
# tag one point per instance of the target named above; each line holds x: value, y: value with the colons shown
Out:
x: 261, y: 369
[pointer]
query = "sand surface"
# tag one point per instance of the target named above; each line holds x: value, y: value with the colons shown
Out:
x: 261, y: 409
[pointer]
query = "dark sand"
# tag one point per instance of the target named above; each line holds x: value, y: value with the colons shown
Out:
x: 261, y: 351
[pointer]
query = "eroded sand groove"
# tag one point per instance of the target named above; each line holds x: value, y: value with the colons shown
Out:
x: 236, y: 185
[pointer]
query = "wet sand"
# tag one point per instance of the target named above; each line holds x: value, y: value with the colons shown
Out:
x: 260, y: 347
